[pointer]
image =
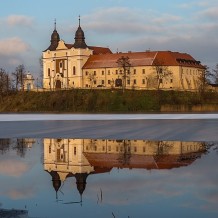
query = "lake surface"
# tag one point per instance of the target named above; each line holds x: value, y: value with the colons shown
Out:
x: 159, y: 167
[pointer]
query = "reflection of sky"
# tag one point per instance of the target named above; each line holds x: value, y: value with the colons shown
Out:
x: 181, y: 192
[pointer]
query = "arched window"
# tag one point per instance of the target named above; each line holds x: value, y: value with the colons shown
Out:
x: 74, y: 70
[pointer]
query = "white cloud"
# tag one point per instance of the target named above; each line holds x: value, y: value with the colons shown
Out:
x: 139, y: 30
x: 12, y: 46
x: 121, y: 20
x: 19, y: 20
x: 13, y: 168
x: 211, y: 13
x: 15, y: 51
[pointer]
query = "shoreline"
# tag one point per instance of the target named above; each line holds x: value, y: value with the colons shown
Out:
x: 104, y: 117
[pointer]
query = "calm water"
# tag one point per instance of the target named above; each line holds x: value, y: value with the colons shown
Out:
x: 67, y: 178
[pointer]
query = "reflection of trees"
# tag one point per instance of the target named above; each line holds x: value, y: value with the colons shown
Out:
x: 4, y: 145
x: 92, y: 143
x: 192, y: 156
x: 125, y: 152
x: 20, y: 146
x: 162, y: 149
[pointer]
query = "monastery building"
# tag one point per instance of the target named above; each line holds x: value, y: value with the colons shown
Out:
x: 78, y: 65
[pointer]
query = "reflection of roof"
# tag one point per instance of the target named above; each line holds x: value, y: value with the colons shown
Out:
x: 140, y: 161
x: 149, y: 58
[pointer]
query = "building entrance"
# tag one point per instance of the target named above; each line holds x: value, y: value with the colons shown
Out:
x: 58, y: 84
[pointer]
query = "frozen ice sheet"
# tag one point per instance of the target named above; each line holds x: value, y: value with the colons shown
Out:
x: 49, y: 117
x: 154, y: 129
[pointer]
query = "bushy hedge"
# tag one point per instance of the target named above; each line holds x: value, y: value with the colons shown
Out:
x: 100, y: 101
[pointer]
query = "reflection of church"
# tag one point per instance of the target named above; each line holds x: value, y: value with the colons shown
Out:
x: 65, y: 158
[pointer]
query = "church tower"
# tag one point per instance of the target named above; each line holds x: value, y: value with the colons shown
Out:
x: 80, y: 38
x: 63, y: 62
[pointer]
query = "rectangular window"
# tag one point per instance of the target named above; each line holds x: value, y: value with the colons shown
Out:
x: 74, y: 70
x: 161, y: 80
x: 87, y: 73
x: 134, y: 81
x: 102, y: 72
x: 74, y: 150
x: 143, y: 71
x: 95, y: 73
x: 102, y: 82
x: 95, y: 82
x: 116, y: 71
x: 108, y: 72
x: 60, y: 64
x: 109, y: 82
x: 134, y: 71
x: 128, y: 82
x: 49, y: 72
x: 143, y: 81
x: 171, y: 80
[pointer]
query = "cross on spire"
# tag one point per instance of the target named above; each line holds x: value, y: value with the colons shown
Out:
x: 79, y: 20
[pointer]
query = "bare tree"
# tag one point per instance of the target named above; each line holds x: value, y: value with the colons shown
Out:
x: 18, y: 76
x: 124, y: 65
x: 91, y: 78
x: 161, y: 72
x: 125, y: 154
x: 40, y: 80
x: 4, y: 82
x: 215, y: 74
x: 204, y: 79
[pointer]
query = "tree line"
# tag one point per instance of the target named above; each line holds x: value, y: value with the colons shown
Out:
x: 13, y: 81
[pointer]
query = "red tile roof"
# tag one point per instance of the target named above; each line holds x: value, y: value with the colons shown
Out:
x: 100, y: 50
x: 148, y: 58
x: 138, y: 161
x: 96, y: 50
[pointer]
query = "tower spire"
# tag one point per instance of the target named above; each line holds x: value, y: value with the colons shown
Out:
x: 79, y: 20
x: 55, y: 24
x: 80, y: 38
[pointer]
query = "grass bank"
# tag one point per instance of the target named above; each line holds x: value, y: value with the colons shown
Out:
x: 107, y: 101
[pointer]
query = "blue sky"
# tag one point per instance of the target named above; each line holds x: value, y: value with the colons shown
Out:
x: 189, y: 26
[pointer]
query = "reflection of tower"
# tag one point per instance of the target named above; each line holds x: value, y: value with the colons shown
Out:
x: 81, y: 182
x: 56, y: 181
x: 63, y: 158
